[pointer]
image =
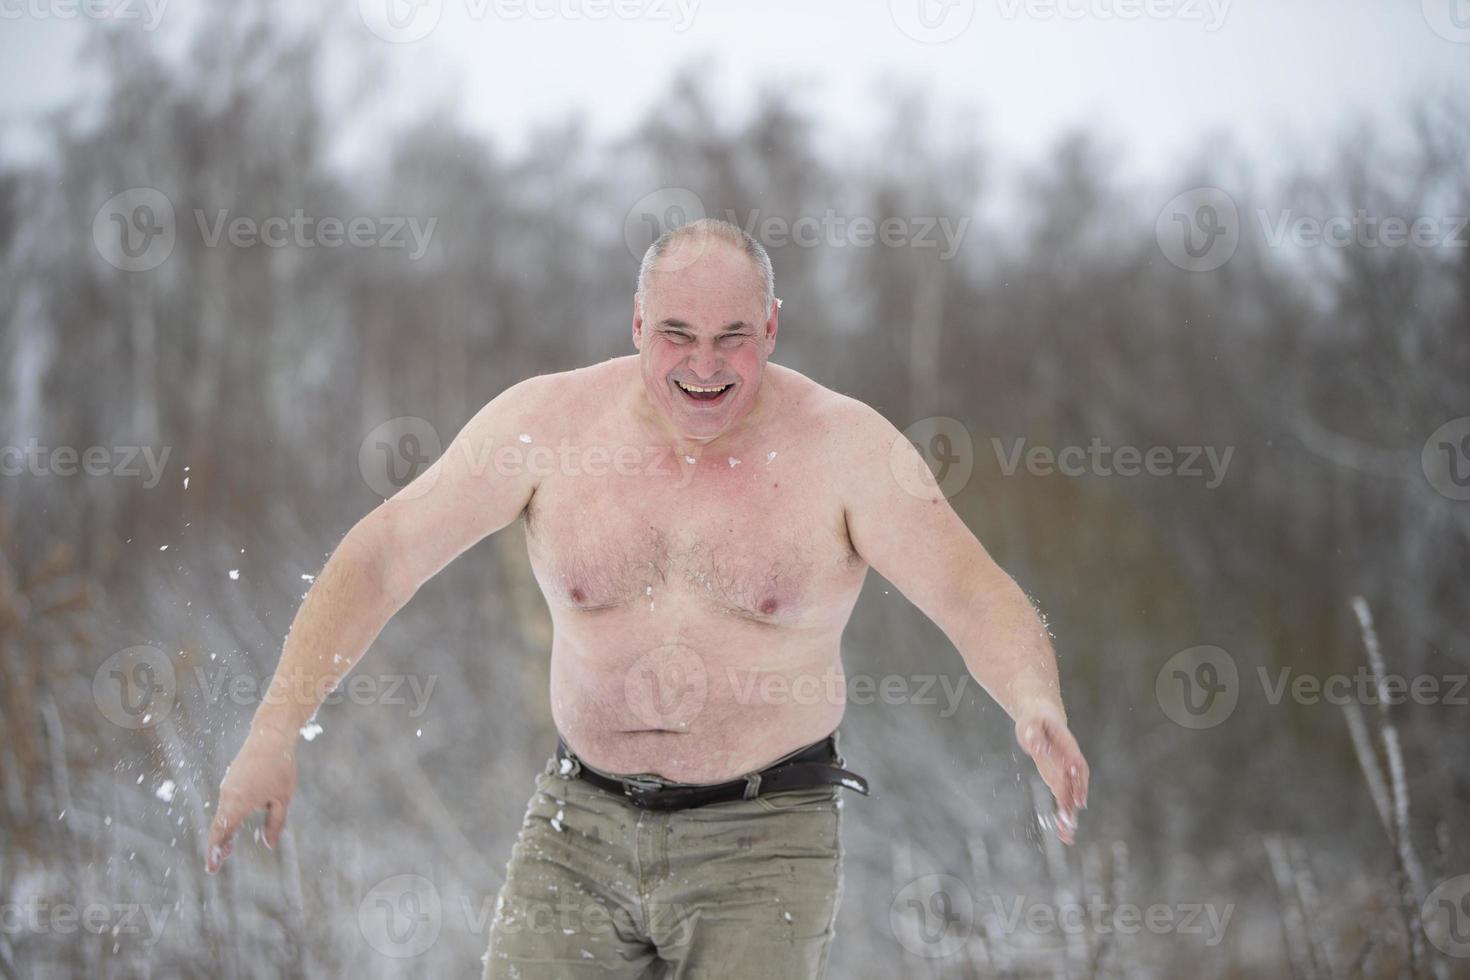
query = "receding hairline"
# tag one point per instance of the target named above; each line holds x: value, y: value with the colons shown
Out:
x: 710, y: 229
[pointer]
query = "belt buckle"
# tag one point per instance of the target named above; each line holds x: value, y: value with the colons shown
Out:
x: 638, y: 790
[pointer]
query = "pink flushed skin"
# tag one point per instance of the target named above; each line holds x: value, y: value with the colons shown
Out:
x: 704, y: 326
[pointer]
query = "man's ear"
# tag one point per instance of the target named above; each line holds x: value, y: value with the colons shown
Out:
x: 637, y: 323
x: 773, y: 325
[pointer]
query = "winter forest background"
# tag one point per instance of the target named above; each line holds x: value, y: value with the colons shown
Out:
x: 1273, y: 831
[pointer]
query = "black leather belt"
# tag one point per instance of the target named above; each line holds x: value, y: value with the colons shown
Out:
x: 817, y: 765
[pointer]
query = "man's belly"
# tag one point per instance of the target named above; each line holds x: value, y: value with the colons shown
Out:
x: 692, y: 705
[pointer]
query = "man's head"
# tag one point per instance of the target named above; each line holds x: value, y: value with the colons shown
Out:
x: 704, y: 317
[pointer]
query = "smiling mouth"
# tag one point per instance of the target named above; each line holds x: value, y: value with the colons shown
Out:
x: 704, y: 394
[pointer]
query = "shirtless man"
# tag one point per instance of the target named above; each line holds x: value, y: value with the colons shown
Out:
x: 704, y: 529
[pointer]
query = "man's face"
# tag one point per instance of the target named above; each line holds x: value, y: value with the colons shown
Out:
x: 702, y: 326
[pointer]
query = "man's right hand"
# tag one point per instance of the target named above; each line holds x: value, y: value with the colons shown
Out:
x: 263, y: 776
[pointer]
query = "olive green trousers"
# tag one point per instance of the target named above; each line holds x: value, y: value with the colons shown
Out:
x: 596, y: 887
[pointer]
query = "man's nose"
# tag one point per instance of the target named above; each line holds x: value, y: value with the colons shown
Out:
x: 705, y: 364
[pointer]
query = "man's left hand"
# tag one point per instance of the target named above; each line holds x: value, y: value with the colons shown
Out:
x: 1042, y: 730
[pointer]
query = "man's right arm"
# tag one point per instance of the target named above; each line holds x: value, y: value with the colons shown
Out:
x: 379, y: 565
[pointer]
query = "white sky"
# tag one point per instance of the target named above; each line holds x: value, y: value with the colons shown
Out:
x: 1273, y: 71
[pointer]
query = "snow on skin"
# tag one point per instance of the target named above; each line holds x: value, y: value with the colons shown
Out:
x: 734, y: 462
x: 310, y: 730
x: 524, y: 437
x: 770, y: 455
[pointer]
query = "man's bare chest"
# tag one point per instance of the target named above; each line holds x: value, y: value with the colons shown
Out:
x: 766, y: 543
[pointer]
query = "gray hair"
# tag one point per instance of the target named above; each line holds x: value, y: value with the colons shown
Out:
x: 724, y: 231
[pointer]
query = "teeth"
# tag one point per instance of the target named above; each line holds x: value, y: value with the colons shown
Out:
x: 697, y: 388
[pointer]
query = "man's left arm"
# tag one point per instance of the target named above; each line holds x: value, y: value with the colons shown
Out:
x: 902, y: 525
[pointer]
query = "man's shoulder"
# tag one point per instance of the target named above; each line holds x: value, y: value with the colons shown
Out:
x: 826, y: 410
x: 562, y: 391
